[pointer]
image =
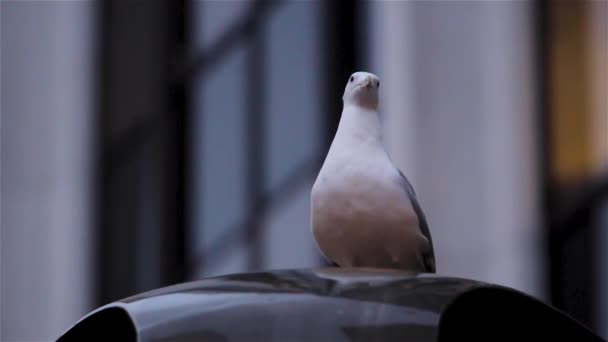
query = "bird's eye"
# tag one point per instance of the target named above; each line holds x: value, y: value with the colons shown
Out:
x: 378, y: 84
x: 352, y: 78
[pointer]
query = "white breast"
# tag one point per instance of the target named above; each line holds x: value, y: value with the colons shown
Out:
x: 360, y: 211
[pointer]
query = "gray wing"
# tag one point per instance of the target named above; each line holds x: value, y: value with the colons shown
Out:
x: 429, y: 258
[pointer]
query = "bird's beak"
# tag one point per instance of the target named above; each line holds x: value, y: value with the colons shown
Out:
x: 368, y: 82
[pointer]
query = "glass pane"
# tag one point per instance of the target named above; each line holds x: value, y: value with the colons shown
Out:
x: 292, y: 134
x: 294, y: 126
x: 293, y: 100
x: 213, y: 18
x: 219, y: 155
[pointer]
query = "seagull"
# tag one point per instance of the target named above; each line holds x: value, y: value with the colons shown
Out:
x: 364, y: 211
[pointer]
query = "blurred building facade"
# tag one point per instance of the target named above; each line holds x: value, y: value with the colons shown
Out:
x: 265, y: 95
x: 147, y: 146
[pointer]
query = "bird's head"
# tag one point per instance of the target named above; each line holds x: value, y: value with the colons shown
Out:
x: 362, y: 90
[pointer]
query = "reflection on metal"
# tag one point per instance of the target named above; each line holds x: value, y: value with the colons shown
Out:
x: 329, y: 304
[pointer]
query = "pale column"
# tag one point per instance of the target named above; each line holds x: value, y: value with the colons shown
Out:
x: 47, y: 80
x: 457, y: 97
x: 511, y: 212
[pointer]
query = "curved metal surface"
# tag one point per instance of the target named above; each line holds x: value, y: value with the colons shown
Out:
x: 334, y: 304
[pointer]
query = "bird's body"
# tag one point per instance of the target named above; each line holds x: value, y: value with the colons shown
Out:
x: 364, y: 212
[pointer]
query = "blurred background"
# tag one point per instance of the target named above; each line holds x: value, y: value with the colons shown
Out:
x: 145, y: 144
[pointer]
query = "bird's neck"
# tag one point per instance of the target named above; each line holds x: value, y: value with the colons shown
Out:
x: 360, y: 124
